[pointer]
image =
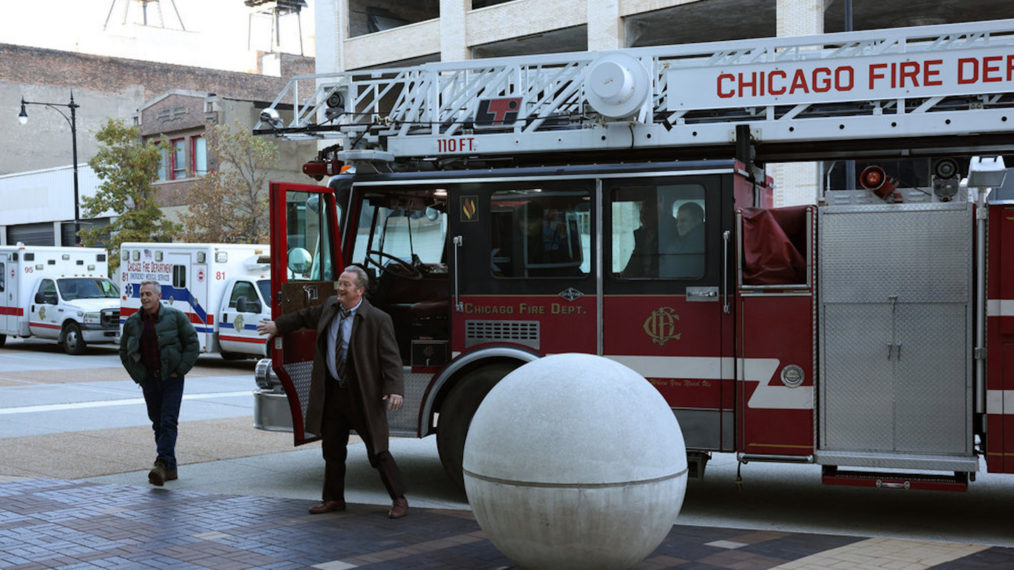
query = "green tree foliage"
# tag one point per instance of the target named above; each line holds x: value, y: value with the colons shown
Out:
x: 127, y: 167
x: 230, y: 204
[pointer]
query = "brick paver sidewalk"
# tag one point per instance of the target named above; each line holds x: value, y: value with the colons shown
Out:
x: 46, y: 523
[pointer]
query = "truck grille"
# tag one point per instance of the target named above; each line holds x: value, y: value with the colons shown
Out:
x: 525, y: 333
x: 110, y: 318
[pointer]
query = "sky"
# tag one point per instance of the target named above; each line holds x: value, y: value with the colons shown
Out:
x: 219, y: 34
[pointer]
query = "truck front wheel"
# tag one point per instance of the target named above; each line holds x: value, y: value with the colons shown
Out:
x: 456, y: 415
x: 73, y: 342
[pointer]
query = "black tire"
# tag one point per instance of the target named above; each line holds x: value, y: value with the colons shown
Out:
x: 456, y: 415
x: 3, y: 339
x: 234, y: 356
x: 73, y: 342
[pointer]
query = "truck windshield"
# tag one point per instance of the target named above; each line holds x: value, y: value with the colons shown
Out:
x: 87, y: 288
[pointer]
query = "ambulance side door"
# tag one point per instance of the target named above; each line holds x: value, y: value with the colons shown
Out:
x: 45, y: 317
x: 8, y: 308
x: 240, y: 311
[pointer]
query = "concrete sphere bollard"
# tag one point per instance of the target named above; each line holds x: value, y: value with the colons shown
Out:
x: 575, y: 461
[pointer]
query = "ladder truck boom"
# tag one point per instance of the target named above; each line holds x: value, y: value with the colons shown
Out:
x: 821, y: 95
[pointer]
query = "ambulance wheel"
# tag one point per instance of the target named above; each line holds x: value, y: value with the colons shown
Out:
x: 456, y: 415
x: 73, y: 342
x: 234, y: 356
x: 3, y: 339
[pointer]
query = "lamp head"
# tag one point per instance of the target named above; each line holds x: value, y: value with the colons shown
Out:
x: 23, y: 115
x: 271, y: 117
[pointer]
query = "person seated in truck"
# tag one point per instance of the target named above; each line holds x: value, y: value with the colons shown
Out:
x: 683, y: 256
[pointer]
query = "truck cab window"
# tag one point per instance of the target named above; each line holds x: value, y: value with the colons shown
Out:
x: 537, y: 233
x: 242, y: 289
x: 658, y: 231
x: 309, y: 239
x: 48, y: 291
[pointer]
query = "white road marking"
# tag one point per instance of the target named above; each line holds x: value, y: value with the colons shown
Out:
x: 109, y: 403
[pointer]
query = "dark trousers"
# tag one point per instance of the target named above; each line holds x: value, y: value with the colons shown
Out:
x: 163, y: 397
x: 341, y: 414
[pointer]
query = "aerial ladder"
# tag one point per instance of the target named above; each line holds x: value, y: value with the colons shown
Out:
x: 900, y: 92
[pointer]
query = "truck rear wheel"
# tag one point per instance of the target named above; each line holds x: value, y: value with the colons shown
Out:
x: 73, y: 342
x: 456, y: 415
x: 3, y: 339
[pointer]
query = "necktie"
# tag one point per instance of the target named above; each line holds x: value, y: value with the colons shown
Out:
x: 340, y: 347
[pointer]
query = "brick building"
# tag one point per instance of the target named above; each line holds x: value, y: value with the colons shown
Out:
x: 118, y: 65
x: 107, y: 87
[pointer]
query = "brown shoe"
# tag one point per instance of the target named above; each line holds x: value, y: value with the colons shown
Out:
x: 171, y: 475
x: 327, y: 507
x: 158, y: 474
x: 398, y: 509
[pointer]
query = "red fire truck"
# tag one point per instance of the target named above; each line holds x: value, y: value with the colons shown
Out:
x: 616, y: 203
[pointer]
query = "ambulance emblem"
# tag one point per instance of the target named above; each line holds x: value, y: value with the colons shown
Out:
x: 42, y: 312
x: 238, y: 323
x: 661, y: 325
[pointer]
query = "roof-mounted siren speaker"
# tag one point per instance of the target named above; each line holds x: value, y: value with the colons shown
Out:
x: 946, y: 179
x: 335, y: 102
x: 876, y: 180
x: 616, y: 85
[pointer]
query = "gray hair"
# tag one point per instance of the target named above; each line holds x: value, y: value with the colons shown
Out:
x: 362, y: 279
x: 155, y: 284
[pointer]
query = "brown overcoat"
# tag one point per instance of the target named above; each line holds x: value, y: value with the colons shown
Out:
x: 374, y: 356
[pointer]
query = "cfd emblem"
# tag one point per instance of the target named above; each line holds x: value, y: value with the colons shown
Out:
x: 238, y: 323
x: 661, y: 325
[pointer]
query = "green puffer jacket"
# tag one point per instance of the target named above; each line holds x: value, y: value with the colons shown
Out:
x: 177, y: 342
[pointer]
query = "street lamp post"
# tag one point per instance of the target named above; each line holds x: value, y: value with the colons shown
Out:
x: 72, y: 119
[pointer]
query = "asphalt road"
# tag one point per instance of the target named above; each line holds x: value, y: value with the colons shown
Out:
x: 80, y: 417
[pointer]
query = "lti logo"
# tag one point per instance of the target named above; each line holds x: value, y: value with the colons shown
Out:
x: 661, y: 325
x: 497, y: 112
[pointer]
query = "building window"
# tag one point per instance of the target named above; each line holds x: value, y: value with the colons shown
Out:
x: 199, y: 151
x: 163, y: 172
x: 179, y: 162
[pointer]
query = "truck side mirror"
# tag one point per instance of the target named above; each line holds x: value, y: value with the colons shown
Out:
x: 244, y: 306
x: 39, y: 298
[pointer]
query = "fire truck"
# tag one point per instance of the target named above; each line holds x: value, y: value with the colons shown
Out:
x: 617, y: 204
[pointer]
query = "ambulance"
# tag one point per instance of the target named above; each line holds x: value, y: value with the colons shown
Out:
x: 58, y: 293
x: 223, y: 288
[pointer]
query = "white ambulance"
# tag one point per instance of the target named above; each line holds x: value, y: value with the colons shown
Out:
x: 58, y: 293
x: 223, y: 288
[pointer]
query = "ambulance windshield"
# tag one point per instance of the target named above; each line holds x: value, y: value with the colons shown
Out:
x: 87, y: 288
x: 264, y: 285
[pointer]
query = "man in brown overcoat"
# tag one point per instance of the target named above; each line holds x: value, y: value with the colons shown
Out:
x: 356, y: 378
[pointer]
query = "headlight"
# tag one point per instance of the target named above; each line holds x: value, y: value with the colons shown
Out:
x: 92, y: 318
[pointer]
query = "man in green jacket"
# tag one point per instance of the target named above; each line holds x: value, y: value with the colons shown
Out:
x: 158, y: 346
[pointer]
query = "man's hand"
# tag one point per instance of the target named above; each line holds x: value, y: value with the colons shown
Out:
x: 267, y: 327
x: 394, y: 402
